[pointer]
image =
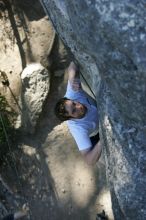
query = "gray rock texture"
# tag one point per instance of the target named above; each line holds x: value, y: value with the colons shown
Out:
x: 35, y: 88
x: 108, y: 38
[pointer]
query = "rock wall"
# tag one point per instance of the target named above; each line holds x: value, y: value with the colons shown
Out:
x: 108, y: 38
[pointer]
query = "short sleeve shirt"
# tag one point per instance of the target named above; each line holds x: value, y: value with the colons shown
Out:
x: 81, y: 129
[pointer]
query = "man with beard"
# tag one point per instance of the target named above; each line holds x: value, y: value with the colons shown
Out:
x: 80, y: 112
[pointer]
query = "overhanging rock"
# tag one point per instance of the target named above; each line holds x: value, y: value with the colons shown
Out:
x: 108, y: 38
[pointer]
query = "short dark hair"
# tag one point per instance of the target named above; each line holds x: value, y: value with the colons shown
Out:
x: 60, y: 110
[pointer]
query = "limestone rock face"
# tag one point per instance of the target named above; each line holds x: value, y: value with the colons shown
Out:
x: 108, y: 38
x: 35, y: 88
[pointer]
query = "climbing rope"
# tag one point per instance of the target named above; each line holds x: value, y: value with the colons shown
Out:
x: 87, y: 84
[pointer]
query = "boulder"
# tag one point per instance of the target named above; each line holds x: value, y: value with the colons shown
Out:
x: 35, y: 88
x: 108, y: 38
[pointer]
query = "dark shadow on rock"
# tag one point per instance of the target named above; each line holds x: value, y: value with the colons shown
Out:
x: 31, y: 179
x: 60, y: 55
x: 18, y: 10
x: 16, y: 32
x: 34, y: 184
x: 32, y: 9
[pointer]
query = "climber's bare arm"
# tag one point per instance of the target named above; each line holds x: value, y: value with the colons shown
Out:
x: 73, y: 76
x: 92, y: 156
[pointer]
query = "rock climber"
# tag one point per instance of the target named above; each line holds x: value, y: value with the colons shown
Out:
x: 80, y: 112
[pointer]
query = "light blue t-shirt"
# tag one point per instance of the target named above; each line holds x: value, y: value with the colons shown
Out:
x: 81, y: 129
